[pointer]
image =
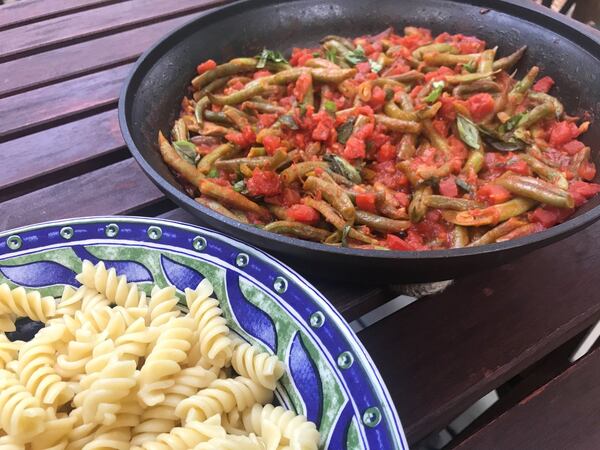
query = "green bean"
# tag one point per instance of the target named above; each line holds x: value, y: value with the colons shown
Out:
x: 277, y: 66
x: 509, y: 61
x: 296, y: 171
x: 279, y: 212
x: 177, y: 163
x: 233, y: 165
x: 418, y: 206
x: 434, y: 48
x: 216, y: 206
x: 179, y: 131
x: 236, y: 116
x: 522, y: 231
x: 379, y: 195
x: 201, y: 105
x: 412, y: 76
x: 232, y: 198
x: 339, y: 50
x: 459, y: 237
x: 430, y: 173
x: 436, y: 139
x: 392, y: 110
x: 406, y: 102
x: 380, y: 223
x: 222, y: 151
x: 498, y: 231
x: 464, y: 90
x: 321, y: 63
x: 448, y: 59
x: 517, y: 93
x: 212, y: 129
x: 297, y: 229
x: 334, y: 76
x: 308, y: 98
x: 407, y: 147
x: 263, y: 107
x: 546, y: 172
x: 538, y: 113
x: 253, y: 88
x: 278, y: 159
x: 403, y: 126
x: 559, y: 109
x: 537, y: 189
x: 334, y: 195
x: 474, y: 161
x: 581, y: 157
x: 467, y: 78
x: 490, y: 215
x: 339, y: 39
x: 456, y: 204
x: 285, y: 77
x: 406, y: 169
x: 233, y: 67
x: 211, y: 87
x: 486, y: 62
x: 218, y: 117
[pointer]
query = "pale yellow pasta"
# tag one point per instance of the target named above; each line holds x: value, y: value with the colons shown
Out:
x: 35, y: 367
x: 55, y: 437
x: 109, y: 284
x: 7, y: 322
x: 213, y: 333
x: 261, y: 367
x: 82, y: 432
x: 164, y: 360
x: 162, y: 306
x: 188, y: 436
x: 71, y: 365
x: 26, y: 304
x: 8, y: 350
x: 233, y: 443
x: 21, y: 415
x: 135, y: 341
x: 10, y: 443
x: 223, y: 396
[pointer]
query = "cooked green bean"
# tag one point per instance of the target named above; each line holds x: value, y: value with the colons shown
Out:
x: 460, y: 237
x: 434, y: 48
x: 217, y: 207
x: 297, y: 229
x: 517, y: 94
x: 404, y: 126
x: 263, y: 107
x: 456, y: 204
x: 180, y: 131
x: 235, y: 66
x: 498, y: 231
x: 236, y: 116
x: 334, y: 195
x: 490, y: 215
x: 201, y: 106
x: 407, y: 147
x: 522, y: 231
x: 381, y: 223
x: 253, y: 88
x: 418, y: 205
x: 232, y: 198
x: 486, y: 61
x: 538, y: 190
x: 468, y: 78
x: 177, y: 163
x: 546, y: 172
x: 436, y: 139
x: 296, y: 171
x: 580, y: 158
x: 448, y: 59
x: 211, y: 87
x: 559, y: 109
x: 218, y: 117
x: 538, y: 113
x: 334, y: 76
x: 474, y: 161
x: 509, y: 61
x: 464, y: 90
x: 412, y: 76
x: 222, y: 151
x: 233, y: 165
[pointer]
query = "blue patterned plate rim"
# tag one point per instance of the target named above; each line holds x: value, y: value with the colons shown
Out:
x: 380, y: 425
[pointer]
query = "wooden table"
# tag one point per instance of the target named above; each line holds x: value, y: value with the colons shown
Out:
x: 62, y: 63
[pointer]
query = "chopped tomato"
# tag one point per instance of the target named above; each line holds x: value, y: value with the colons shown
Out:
x: 397, y: 68
x: 587, y: 171
x: 271, y: 143
x: 402, y: 198
x: 355, y: 148
x: 448, y: 187
x: 470, y: 44
x: 321, y: 132
x: 480, y: 106
x: 290, y: 197
x: 548, y: 216
x: 207, y: 65
x: 266, y: 120
x: 263, y: 182
x: 366, y: 202
x: 493, y: 194
x: 363, y: 67
x: 581, y: 191
x: 544, y: 84
x: 389, y: 175
x: 377, y: 97
x: 518, y: 166
x: 573, y: 146
x: 447, y: 110
x: 393, y: 242
x: 302, y: 85
x: 439, y: 74
x: 300, y: 56
x: 563, y: 132
x: 238, y: 139
x: 303, y: 213
x: 387, y: 152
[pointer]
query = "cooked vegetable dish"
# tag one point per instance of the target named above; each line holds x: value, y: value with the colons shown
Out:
x: 391, y: 142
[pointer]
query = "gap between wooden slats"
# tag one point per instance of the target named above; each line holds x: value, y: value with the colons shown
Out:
x: 74, y: 28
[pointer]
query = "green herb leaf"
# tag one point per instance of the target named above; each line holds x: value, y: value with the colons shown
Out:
x: 468, y: 132
x: 345, y: 232
x: 470, y: 67
x: 331, y: 54
x: 186, y: 150
x: 438, y: 88
x: 344, y: 131
x: 330, y: 106
x: 269, y: 55
x: 389, y: 94
x: 213, y: 173
x: 341, y: 166
x: 288, y: 121
x: 240, y: 186
x: 375, y: 66
x: 356, y: 56
x: 513, y: 122
x: 316, y: 55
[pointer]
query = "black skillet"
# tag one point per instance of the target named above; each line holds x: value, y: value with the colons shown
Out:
x: 566, y: 50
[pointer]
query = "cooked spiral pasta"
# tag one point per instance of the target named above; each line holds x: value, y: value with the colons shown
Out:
x: 20, y: 413
x: 82, y: 432
x: 232, y: 443
x: 162, y: 306
x: 35, y: 367
x: 10, y: 443
x: 8, y: 350
x: 261, y: 367
x: 114, y: 288
x: 213, y: 333
x: 163, y: 362
x: 223, y: 396
x: 26, y: 304
x: 134, y: 342
x: 55, y: 436
x: 295, y: 429
x: 188, y: 436
x: 7, y: 322
x: 71, y: 365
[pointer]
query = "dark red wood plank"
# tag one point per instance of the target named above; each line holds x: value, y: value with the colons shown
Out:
x: 41, y: 154
x: 74, y: 27
x: 120, y: 188
x: 33, y: 10
x: 562, y: 414
x: 66, y: 62
x: 58, y: 101
x: 443, y: 352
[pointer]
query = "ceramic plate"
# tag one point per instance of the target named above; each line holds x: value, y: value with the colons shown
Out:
x: 330, y: 378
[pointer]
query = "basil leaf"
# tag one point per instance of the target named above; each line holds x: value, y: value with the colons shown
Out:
x: 213, y: 173
x: 330, y: 106
x: 468, y: 132
x: 331, y: 54
x: 470, y: 67
x: 186, y: 150
x: 375, y: 66
x: 269, y: 55
x: 356, y: 56
x: 389, y: 94
x: 438, y: 88
x: 500, y: 143
x: 341, y: 166
x: 345, y: 232
x: 288, y: 121
x: 240, y: 186
x: 513, y: 122
x: 344, y: 131
x: 316, y: 55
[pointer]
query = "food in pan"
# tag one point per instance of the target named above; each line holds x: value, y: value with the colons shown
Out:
x: 114, y: 368
x: 397, y: 142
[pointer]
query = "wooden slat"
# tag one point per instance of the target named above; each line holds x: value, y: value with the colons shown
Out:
x: 442, y: 353
x: 562, y: 414
x: 74, y: 27
x: 66, y: 62
x: 120, y: 188
x: 22, y: 12
x: 58, y: 101
x: 37, y: 156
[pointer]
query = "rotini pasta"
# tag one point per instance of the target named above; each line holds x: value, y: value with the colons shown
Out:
x: 188, y: 436
x: 8, y: 350
x: 26, y: 304
x: 7, y: 323
x: 233, y: 443
x: 162, y: 306
x: 261, y: 367
x: 56, y: 434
